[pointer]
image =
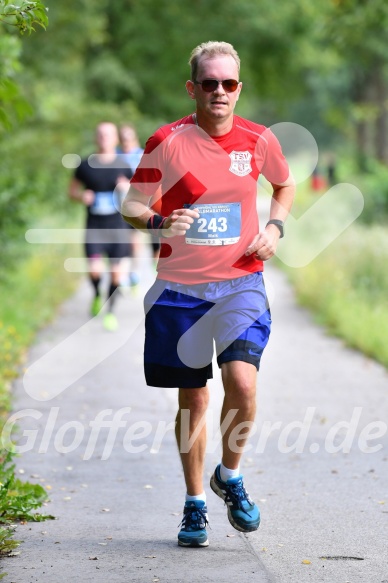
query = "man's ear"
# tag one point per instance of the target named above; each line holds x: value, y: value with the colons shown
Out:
x: 190, y: 89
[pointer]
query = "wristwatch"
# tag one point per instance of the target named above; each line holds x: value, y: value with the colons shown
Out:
x: 279, y: 224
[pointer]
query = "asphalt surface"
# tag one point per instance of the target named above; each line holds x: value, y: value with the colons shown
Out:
x: 118, y: 498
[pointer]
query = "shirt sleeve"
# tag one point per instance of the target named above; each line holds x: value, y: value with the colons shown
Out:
x: 79, y: 172
x: 270, y: 158
x: 149, y: 174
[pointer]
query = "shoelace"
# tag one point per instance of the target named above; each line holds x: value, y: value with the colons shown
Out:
x: 194, y: 517
x: 237, y: 494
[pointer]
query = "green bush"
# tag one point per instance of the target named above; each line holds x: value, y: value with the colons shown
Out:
x: 373, y: 184
x: 346, y: 286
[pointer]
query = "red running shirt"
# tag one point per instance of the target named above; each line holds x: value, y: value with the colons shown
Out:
x: 183, y: 165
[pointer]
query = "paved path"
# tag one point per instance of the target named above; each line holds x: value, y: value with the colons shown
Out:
x: 118, y: 498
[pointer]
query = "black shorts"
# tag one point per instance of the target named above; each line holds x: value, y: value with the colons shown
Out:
x: 107, y: 236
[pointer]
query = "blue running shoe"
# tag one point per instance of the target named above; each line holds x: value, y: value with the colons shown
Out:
x: 243, y: 514
x: 193, y: 532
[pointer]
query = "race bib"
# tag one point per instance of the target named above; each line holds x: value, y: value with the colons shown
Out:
x: 218, y: 224
x: 104, y: 204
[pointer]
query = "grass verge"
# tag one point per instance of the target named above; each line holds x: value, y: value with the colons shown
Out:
x: 29, y: 298
x: 346, y: 287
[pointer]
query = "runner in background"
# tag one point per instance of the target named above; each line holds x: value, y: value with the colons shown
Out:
x: 96, y: 184
x: 132, y: 152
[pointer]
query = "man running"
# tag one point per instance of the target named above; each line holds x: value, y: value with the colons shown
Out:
x: 209, y: 286
x: 132, y: 153
x: 97, y: 184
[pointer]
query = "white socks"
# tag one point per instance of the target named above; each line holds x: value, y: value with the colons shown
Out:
x: 226, y: 473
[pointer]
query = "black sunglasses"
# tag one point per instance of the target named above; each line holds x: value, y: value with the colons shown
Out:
x: 210, y: 85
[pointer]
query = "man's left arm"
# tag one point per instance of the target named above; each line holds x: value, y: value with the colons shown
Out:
x: 265, y: 243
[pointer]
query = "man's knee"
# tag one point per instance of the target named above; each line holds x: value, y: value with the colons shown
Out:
x: 239, y: 380
x: 196, y: 400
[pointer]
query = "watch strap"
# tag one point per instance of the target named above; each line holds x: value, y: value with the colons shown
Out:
x: 279, y: 224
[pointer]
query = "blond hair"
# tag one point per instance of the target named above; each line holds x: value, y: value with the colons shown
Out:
x: 210, y: 50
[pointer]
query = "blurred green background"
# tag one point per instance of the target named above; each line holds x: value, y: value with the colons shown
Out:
x: 323, y: 65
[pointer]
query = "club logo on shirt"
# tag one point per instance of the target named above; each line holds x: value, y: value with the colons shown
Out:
x: 240, y: 163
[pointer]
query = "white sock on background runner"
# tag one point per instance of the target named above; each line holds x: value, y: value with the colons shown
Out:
x: 226, y: 473
x: 195, y: 498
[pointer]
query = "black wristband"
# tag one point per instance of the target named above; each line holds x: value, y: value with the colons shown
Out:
x: 279, y: 224
x: 155, y: 224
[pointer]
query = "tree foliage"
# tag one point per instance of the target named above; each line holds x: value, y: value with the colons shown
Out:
x: 23, y: 15
x: 322, y: 65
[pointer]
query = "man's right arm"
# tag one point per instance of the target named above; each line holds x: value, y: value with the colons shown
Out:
x: 135, y: 211
x: 77, y: 192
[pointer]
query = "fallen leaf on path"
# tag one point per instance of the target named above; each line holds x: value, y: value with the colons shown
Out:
x: 148, y: 486
x: 105, y: 509
x: 150, y: 557
x: 230, y: 535
x: 306, y: 562
x: 93, y: 558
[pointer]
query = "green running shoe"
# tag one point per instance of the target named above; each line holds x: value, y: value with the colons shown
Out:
x: 110, y: 322
x: 96, y: 306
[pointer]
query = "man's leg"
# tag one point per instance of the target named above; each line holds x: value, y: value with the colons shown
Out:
x: 239, y: 380
x: 191, y: 440
x: 96, y: 267
x: 193, y: 403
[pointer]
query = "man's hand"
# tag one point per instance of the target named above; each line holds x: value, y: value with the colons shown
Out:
x: 178, y: 222
x: 87, y: 197
x: 265, y: 243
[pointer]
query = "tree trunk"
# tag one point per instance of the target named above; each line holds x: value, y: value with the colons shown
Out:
x: 381, y: 134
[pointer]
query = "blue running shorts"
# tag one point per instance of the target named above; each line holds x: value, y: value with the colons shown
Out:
x: 183, y: 322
